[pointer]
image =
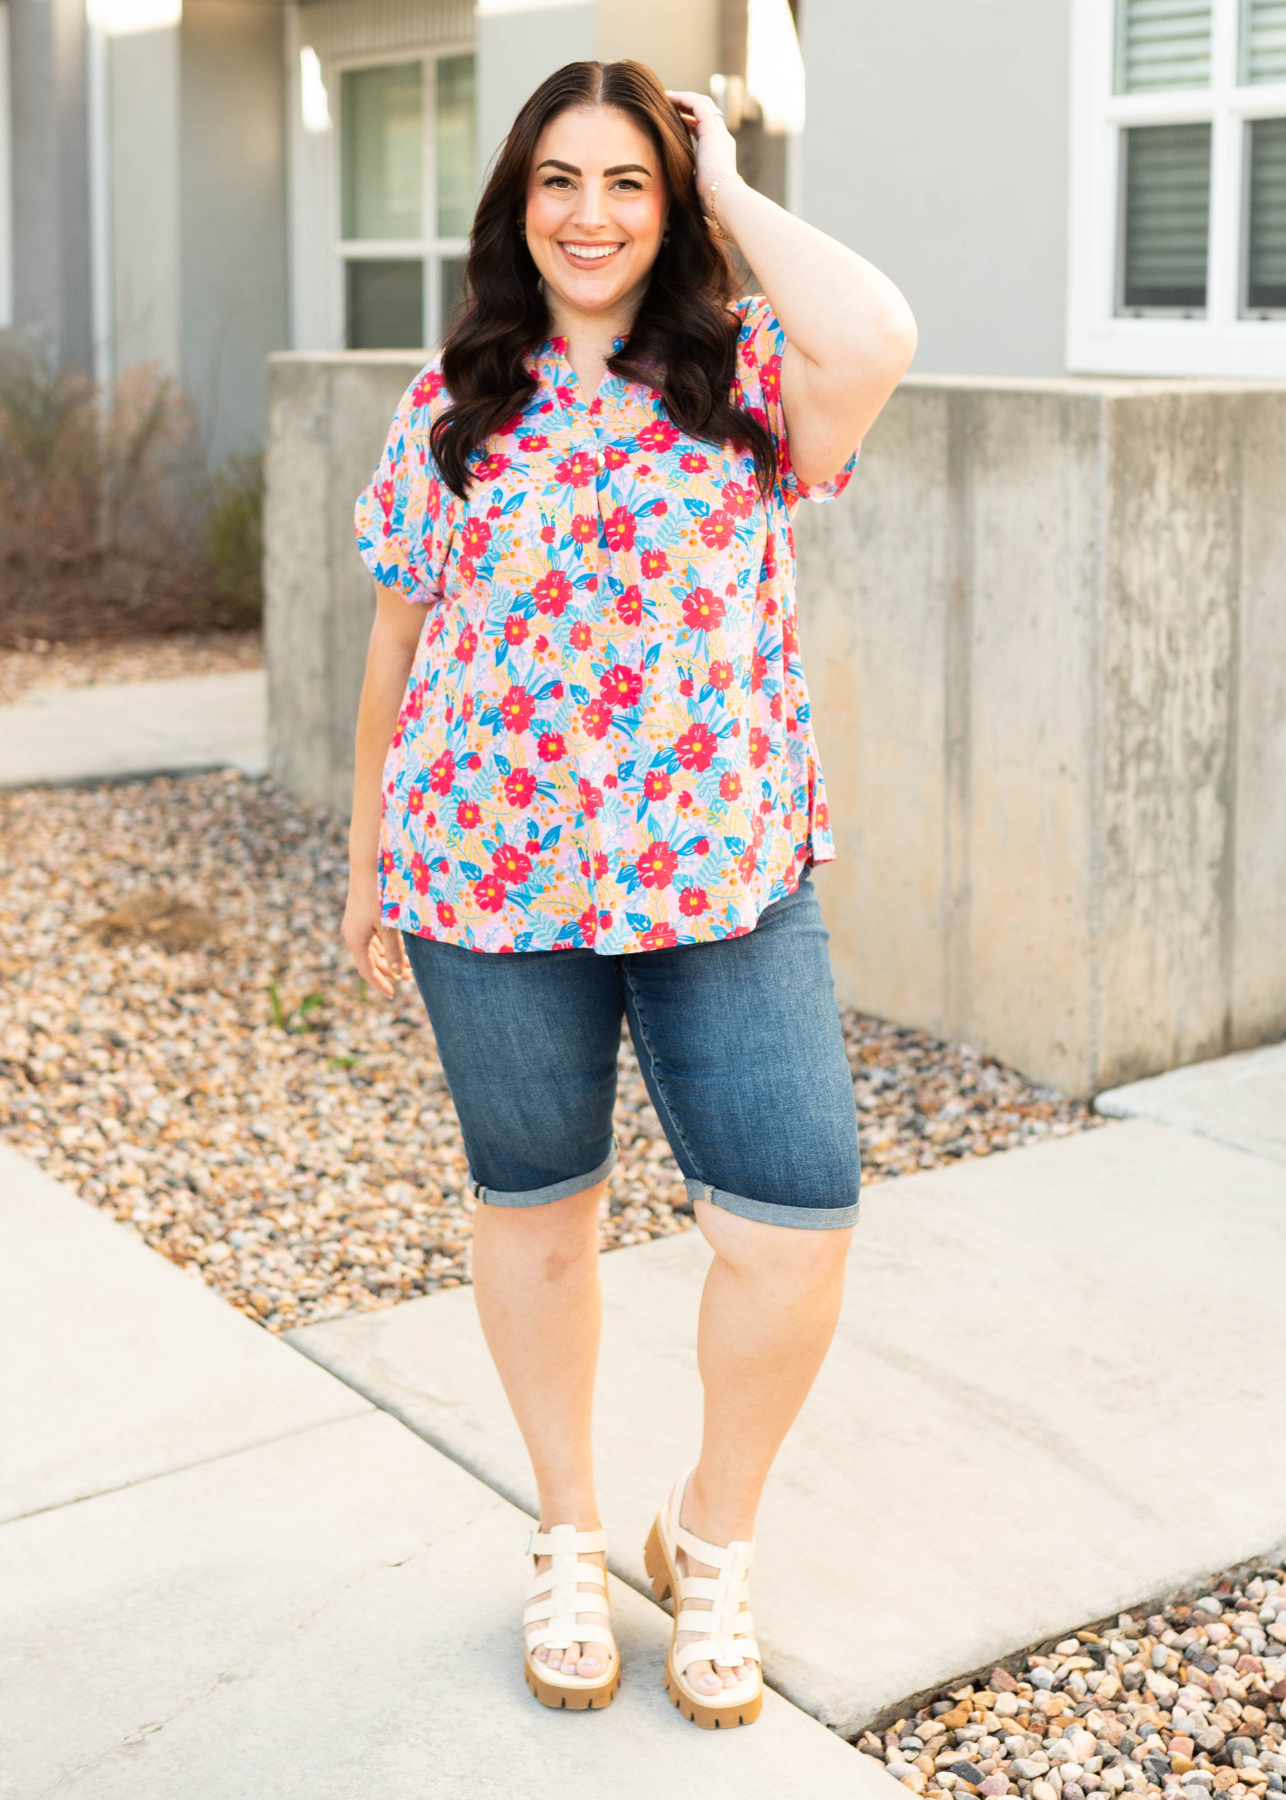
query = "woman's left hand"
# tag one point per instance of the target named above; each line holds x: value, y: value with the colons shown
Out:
x: 715, y: 145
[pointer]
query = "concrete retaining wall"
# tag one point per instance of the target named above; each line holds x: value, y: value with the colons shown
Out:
x: 1045, y: 632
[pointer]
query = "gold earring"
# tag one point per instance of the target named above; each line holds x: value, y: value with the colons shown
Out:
x: 665, y: 237
x: 522, y: 231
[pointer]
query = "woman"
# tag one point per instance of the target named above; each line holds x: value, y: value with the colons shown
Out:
x: 588, y: 734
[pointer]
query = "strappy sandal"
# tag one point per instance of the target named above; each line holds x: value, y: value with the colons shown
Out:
x: 727, y: 1629
x: 552, y: 1619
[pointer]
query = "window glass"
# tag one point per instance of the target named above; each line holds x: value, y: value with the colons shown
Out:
x: 382, y: 151
x: 451, y: 291
x: 1167, y: 218
x: 1266, y: 252
x: 455, y: 145
x: 1162, y: 44
x: 1263, y: 40
x: 384, y: 305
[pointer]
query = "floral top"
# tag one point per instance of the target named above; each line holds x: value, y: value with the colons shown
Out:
x: 605, y: 741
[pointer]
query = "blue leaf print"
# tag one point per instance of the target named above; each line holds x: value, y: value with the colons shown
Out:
x: 471, y: 871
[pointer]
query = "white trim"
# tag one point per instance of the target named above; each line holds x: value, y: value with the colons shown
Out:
x: 1098, y: 341
x: 6, y: 174
x: 102, y: 273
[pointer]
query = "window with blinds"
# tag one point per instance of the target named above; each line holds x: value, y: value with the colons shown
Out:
x: 1263, y: 40
x: 1166, y: 192
x: 1162, y: 44
x: 1266, y: 246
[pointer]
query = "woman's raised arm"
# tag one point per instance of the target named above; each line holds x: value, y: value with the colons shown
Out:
x: 850, y: 332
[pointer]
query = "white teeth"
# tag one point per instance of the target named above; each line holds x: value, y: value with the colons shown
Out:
x: 586, y: 253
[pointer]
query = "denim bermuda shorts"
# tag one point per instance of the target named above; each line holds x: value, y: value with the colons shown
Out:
x: 739, y: 1042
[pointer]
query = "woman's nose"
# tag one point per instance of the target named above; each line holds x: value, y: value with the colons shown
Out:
x: 591, y: 209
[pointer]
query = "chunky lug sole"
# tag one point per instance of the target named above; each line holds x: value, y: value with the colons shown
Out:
x: 573, y: 1699
x: 665, y: 1584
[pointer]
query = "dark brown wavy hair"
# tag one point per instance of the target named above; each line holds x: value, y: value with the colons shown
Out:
x: 683, y: 341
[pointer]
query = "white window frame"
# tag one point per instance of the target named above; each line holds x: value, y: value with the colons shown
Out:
x: 1222, y: 343
x: 429, y: 250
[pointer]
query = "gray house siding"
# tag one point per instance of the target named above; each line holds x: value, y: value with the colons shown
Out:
x: 937, y: 146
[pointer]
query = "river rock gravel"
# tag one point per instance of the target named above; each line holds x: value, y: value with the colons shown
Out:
x: 1177, y: 1701
x: 42, y: 664
x: 184, y: 1041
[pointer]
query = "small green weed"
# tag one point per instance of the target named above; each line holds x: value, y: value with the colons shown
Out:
x: 298, y: 1019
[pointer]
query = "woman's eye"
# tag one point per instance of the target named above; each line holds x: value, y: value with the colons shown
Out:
x: 553, y: 181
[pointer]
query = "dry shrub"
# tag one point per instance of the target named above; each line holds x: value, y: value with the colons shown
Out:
x: 110, y: 525
x: 158, y: 918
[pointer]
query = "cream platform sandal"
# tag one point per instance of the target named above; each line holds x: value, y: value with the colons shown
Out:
x: 727, y: 1628
x: 552, y: 1618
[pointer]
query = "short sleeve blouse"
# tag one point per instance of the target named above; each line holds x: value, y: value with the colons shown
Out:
x: 605, y: 742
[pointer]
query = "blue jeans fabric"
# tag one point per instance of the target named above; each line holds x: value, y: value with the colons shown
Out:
x: 739, y: 1042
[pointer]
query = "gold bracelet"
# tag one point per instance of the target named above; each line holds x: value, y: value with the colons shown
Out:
x: 714, y: 189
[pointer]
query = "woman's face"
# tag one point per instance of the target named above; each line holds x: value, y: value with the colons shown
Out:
x: 596, y: 206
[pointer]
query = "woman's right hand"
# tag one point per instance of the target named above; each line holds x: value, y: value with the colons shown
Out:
x: 376, y: 948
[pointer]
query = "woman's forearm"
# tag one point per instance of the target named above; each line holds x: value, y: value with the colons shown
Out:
x: 838, y: 311
x: 389, y: 657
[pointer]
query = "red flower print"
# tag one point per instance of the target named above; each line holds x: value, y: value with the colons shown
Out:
x: 415, y: 801
x: 517, y: 708
x: 621, y: 686
x: 774, y: 706
x: 510, y: 864
x: 758, y: 747
x: 629, y: 606
x: 758, y: 672
x: 696, y: 748
x: 657, y: 784
x: 694, y: 462
x: 770, y: 377
x: 789, y: 634
x: 442, y: 773
x: 534, y: 441
x: 600, y: 867
x: 588, y: 923
x: 591, y: 798
x: 660, y: 937
x: 822, y: 815
x: 716, y: 530
x: 552, y: 592
x: 466, y: 711
x: 656, y: 865
x: 386, y: 863
x: 729, y: 786
x: 469, y: 815
x: 465, y: 649
x: 686, y: 686
x: 747, y: 864
x: 654, y: 563
x: 596, y: 718
x: 702, y: 846
x: 693, y: 902
x: 619, y: 526
x: 475, y: 537
x: 584, y: 528
x: 659, y: 509
x: 658, y: 436
x: 427, y: 388
x: 719, y: 675
x: 419, y: 874
x: 386, y: 493
x: 565, y: 394
x: 548, y: 534
x: 489, y: 893
x: 577, y: 469
x: 738, y: 501
x: 446, y: 914
x: 550, y: 746
x: 580, y: 635
x: 516, y: 628
x: 702, y: 610
x: 615, y: 457
x: 467, y: 572
x: 491, y: 468
x: 520, y: 785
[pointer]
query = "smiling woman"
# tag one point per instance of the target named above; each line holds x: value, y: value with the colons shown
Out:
x: 586, y: 787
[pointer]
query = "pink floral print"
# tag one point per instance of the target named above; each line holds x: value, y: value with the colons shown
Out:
x: 605, y: 741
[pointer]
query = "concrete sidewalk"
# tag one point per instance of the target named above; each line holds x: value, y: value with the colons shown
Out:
x: 1058, y: 1388
x: 113, y: 732
x: 225, y: 1574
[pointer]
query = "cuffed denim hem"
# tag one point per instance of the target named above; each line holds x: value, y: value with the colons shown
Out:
x: 557, y: 1190
x: 803, y: 1218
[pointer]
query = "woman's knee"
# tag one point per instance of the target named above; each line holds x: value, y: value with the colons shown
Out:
x: 784, y: 1252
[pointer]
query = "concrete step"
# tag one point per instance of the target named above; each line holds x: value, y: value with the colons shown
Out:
x: 117, y: 731
x: 1238, y: 1100
x: 1059, y: 1387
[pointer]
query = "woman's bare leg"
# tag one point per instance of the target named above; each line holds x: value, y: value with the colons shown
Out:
x: 768, y: 1313
x: 535, y: 1279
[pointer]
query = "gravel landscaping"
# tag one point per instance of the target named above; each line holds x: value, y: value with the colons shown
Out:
x: 183, y: 1041
x: 1183, y: 1701
x: 46, y: 665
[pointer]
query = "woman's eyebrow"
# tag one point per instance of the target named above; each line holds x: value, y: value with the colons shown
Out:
x: 552, y: 162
